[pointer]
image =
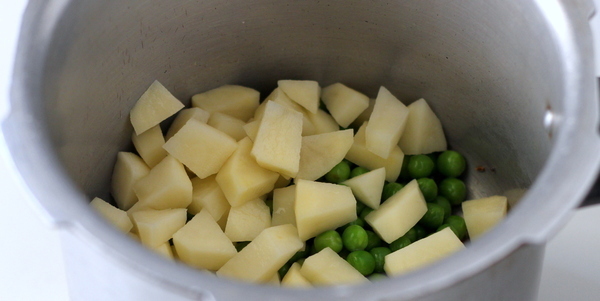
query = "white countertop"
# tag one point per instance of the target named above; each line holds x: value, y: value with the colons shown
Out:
x: 31, y: 266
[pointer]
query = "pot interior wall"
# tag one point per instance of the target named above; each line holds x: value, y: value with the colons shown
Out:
x: 486, y: 68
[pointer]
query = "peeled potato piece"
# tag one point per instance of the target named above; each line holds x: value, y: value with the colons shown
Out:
x: 114, y: 215
x: 207, y: 194
x: 293, y: 278
x: 229, y: 125
x: 320, y: 153
x: 236, y: 101
x: 150, y: 145
x: 284, y: 200
x: 368, y: 187
x: 481, y: 215
x: 167, y: 185
x: 154, y: 106
x: 305, y: 92
x: 344, y: 104
x: 423, y: 133
x: 246, y: 221
x: 328, y: 268
x: 156, y: 227
x: 183, y: 117
x: 386, y: 124
x: 128, y: 170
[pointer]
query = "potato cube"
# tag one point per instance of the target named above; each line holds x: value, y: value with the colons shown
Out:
x: 320, y: 153
x: 201, y: 243
x: 246, y: 221
x: 128, y: 170
x: 361, y: 156
x: 164, y: 250
x: 150, y: 145
x: 423, y: 133
x: 386, y: 124
x: 154, y: 106
x: 365, y: 115
x: 202, y: 148
x: 305, y: 92
x: 112, y: 214
x: 483, y: 214
x: 251, y: 129
x: 207, y: 194
x: 262, y: 257
x: 322, y: 122
x: 344, y: 104
x: 281, y: 98
x: 293, y: 278
x: 236, y: 101
x: 156, y: 227
x: 399, y: 213
x: 183, y: 117
x: 328, y: 268
x: 368, y: 187
x: 167, y: 185
x: 422, y: 252
x: 322, y: 206
x: 229, y: 125
x: 277, y: 144
x: 283, y: 206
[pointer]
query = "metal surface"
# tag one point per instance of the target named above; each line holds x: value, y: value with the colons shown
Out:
x: 491, y: 71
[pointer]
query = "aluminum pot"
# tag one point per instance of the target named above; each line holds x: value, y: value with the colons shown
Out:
x: 512, y: 82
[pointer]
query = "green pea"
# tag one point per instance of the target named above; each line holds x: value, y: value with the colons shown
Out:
x: 451, y: 163
x: 365, y: 212
x: 399, y: 243
x: 302, y: 254
x: 358, y: 221
x: 458, y: 226
x: 362, y: 261
x: 411, y: 234
x: 355, y: 238
x: 434, y: 217
x: 390, y: 189
x: 420, y: 166
x: 442, y: 201
x: 374, y: 240
x: 454, y: 190
x: 421, y: 232
x: 357, y: 171
x: 339, y: 173
x: 240, y: 245
x: 404, y: 175
x: 377, y: 276
x: 428, y: 188
x: 379, y: 254
x: 329, y: 239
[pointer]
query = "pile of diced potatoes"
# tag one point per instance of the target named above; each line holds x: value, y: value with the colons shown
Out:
x: 196, y: 190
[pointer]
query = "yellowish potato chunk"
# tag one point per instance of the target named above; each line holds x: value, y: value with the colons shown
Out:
x: 386, y: 124
x: 322, y: 206
x: 344, y: 104
x: 365, y: 115
x: 284, y: 200
x: 207, y: 194
x: 481, y: 215
x: 422, y: 252
x: 262, y: 257
x: 277, y: 144
x: 398, y: 213
x: 251, y: 129
x: 164, y: 250
x: 322, y: 122
x: 305, y: 92
x: 293, y: 278
x: 368, y: 187
x: 202, y: 148
x: 201, y: 243
x: 281, y: 98
x: 246, y: 221
x: 236, y: 101
x: 112, y: 214
x: 320, y: 153
x: 328, y: 268
x: 361, y: 156
x: 154, y: 106
x: 150, y: 145
x: 183, y: 117
x: 229, y: 125
x: 128, y: 170
x: 156, y: 227
x: 167, y: 185
x: 423, y: 133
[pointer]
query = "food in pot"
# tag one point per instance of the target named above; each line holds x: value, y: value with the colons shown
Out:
x: 277, y: 192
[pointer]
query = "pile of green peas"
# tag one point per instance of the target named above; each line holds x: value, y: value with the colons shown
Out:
x: 438, y: 176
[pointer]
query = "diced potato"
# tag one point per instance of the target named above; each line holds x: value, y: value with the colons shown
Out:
x: 246, y: 221
x: 322, y: 122
x: 164, y: 250
x: 328, y: 268
x: 251, y: 129
x: 361, y: 156
x: 368, y: 187
x: 282, y: 182
x: 322, y: 206
x: 422, y: 252
x: 293, y: 278
x: 281, y: 98
x: 149, y: 145
x: 423, y: 133
x: 365, y: 115
x: 344, y: 104
x: 166, y: 186
x: 236, y: 101
x: 154, y: 106
x: 112, y: 214
x: 283, y: 206
x: 399, y: 213
x: 386, y: 124
x: 481, y: 215
x: 207, y: 194
x: 201, y: 243
x: 277, y: 144
x: 155, y: 227
x: 202, y: 148
x: 274, y: 280
x: 222, y: 222
x: 135, y: 208
x: 262, y: 257
x: 183, y: 117
x: 229, y: 125
x: 305, y: 92
x: 320, y: 153
x: 128, y: 170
